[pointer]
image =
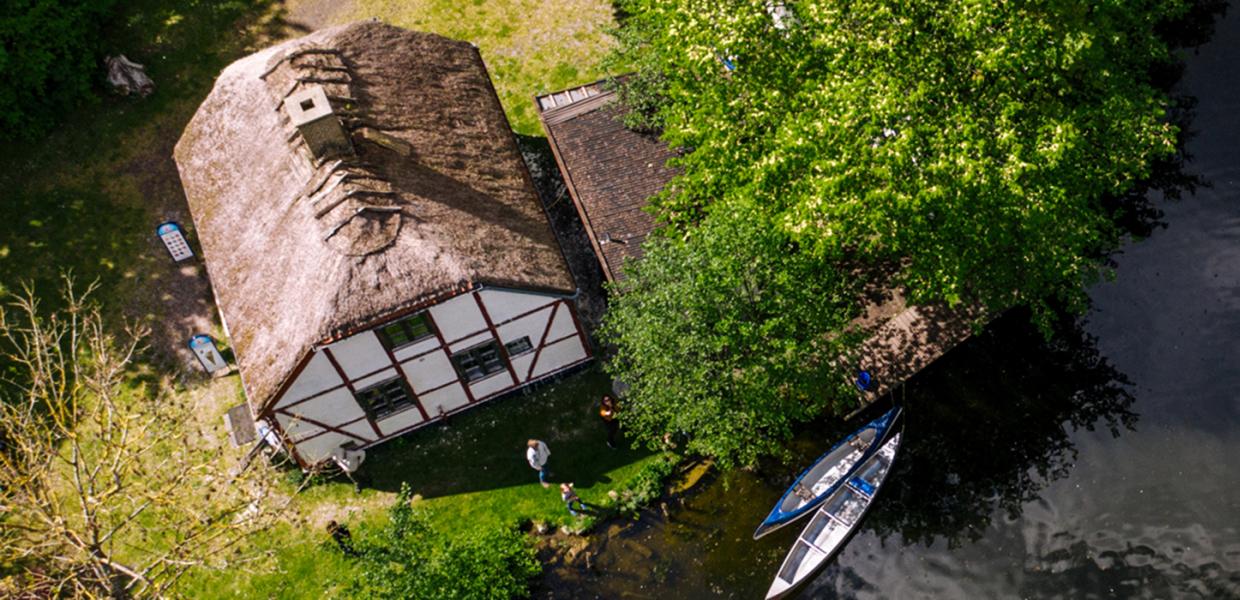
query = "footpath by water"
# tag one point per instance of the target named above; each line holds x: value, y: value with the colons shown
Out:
x: 1104, y: 464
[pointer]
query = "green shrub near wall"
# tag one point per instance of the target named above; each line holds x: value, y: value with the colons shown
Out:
x: 410, y: 556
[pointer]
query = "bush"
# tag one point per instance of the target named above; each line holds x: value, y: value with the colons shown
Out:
x: 409, y: 558
x: 646, y: 485
x: 49, y: 56
x: 729, y: 333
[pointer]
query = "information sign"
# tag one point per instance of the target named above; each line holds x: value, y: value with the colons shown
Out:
x: 204, y: 348
x: 174, y: 241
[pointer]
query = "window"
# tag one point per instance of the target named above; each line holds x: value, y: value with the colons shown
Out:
x: 520, y: 346
x: 383, y: 399
x: 478, y: 362
x: 406, y: 331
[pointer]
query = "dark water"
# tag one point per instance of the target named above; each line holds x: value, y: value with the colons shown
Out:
x: 1104, y: 464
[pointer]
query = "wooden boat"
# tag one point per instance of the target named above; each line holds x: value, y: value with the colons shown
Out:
x: 827, y: 473
x: 835, y: 520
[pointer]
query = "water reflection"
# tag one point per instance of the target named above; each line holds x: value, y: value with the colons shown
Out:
x: 990, y: 426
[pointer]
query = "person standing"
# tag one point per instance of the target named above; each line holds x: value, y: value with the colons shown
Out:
x: 537, y: 453
x: 607, y: 411
x: 349, y: 459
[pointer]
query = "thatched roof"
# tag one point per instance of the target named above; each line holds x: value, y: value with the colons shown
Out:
x: 610, y: 170
x: 437, y: 197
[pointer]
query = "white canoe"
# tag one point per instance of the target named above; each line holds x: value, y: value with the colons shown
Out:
x: 835, y: 519
x: 827, y: 474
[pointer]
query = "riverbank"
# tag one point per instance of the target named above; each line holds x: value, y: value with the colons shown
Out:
x: 1031, y: 468
x: 664, y: 492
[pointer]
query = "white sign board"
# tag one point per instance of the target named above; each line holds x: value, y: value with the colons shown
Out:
x: 204, y: 348
x: 174, y: 240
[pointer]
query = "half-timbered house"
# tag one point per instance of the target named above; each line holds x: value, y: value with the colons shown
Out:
x: 377, y: 250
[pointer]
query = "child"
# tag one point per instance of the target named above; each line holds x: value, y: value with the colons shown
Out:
x: 570, y: 497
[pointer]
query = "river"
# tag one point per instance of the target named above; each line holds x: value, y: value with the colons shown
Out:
x: 1103, y: 464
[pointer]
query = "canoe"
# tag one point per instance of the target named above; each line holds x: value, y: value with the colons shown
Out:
x: 835, y: 520
x: 827, y: 473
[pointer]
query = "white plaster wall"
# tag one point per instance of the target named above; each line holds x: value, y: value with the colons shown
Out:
x: 559, y: 355
x: 316, y: 377
x: 489, y: 385
x: 521, y: 364
x: 363, y: 353
x: 331, y: 408
x: 562, y: 326
x: 471, y: 341
x: 296, y: 429
x: 416, y: 348
x: 319, y: 448
x: 361, y: 429
x: 457, y: 317
x: 366, y: 382
x: 449, y: 398
x: 532, y: 326
x: 429, y: 372
x: 360, y: 354
x: 401, y: 420
x: 505, y: 304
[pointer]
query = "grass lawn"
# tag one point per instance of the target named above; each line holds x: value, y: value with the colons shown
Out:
x: 468, y: 473
x: 88, y: 197
x: 529, y: 46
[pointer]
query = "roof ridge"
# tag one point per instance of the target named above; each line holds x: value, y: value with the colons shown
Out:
x: 568, y: 97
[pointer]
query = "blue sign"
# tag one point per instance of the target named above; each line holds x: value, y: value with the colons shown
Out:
x: 174, y: 240
x: 208, y: 354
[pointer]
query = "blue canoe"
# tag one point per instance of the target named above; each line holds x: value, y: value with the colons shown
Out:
x: 828, y: 473
x: 835, y: 521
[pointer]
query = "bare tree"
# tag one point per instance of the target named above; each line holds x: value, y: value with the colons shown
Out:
x: 104, y: 489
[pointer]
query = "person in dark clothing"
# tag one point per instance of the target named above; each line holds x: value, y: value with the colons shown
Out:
x: 344, y: 539
x: 607, y: 411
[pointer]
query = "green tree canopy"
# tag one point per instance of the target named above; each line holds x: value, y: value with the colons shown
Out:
x: 970, y: 142
x: 728, y: 336
x: 968, y: 145
x: 49, y: 57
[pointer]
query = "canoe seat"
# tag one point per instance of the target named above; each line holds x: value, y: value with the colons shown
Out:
x: 862, y: 486
x: 802, y: 492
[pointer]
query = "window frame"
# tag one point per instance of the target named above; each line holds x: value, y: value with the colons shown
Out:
x: 403, y: 322
x: 500, y: 355
x: 529, y: 346
x: 363, y: 400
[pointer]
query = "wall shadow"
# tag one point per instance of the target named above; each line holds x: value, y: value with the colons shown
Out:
x: 484, y: 449
x: 567, y: 225
x: 87, y: 197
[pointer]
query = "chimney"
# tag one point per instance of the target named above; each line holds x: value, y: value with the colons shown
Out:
x: 312, y: 115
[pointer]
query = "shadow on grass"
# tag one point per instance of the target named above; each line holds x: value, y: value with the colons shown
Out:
x: 485, y: 449
x: 87, y: 197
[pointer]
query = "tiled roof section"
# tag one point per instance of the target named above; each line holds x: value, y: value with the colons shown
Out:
x: 610, y: 170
